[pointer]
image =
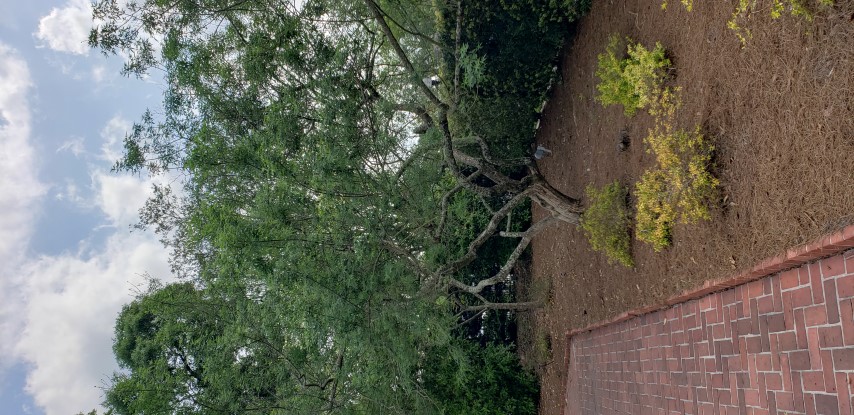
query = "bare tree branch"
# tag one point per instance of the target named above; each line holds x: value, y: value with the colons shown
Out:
x: 504, y: 272
x: 470, y: 256
x: 522, y: 305
x: 395, y: 44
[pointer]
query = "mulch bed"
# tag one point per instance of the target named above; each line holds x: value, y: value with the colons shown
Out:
x: 780, y: 112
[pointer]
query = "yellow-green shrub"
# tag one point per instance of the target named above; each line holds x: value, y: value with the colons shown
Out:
x: 680, y: 185
x: 606, y: 223
x: 689, y: 4
x: 744, y: 8
x: 633, y: 81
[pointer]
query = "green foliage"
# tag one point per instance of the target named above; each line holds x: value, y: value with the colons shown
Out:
x: 307, y: 226
x: 472, y: 67
x: 468, y: 214
x: 798, y: 8
x: 606, y: 222
x: 480, y: 381
x: 633, y: 81
x: 517, y: 45
x: 681, y: 185
x: 549, y: 12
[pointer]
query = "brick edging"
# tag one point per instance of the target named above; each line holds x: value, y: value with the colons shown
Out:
x: 829, y: 245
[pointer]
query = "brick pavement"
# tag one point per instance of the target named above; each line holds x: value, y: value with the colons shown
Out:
x: 779, y: 344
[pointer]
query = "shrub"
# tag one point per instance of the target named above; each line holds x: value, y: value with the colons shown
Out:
x: 606, y: 223
x: 633, y: 81
x: 681, y: 184
x: 744, y: 8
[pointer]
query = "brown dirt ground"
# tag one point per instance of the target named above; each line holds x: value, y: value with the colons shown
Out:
x: 781, y: 114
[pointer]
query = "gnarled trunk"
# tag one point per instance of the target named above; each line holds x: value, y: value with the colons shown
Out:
x: 560, y: 206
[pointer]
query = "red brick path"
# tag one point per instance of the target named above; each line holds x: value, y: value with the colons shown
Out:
x: 780, y: 344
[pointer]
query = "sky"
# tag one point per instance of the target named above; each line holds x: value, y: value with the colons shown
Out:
x: 68, y: 257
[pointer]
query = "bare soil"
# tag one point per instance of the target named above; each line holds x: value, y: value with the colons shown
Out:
x: 780, y: 112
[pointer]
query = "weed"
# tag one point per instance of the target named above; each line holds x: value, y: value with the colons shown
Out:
x: 543, y: 348
x: 606, y: 223
x: 631, y: 81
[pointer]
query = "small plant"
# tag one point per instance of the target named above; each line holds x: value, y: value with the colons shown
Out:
x: 633, y: 81
x: 606, y: 223
x: 543, y: 349
x: 689, y: 4
x: 681, y: 184
x: 745, y: 8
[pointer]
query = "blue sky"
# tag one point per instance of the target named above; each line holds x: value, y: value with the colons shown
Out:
x: 69, y: 260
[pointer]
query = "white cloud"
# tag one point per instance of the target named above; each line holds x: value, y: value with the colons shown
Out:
x: 71, y: 306
x: 74, y: 145
x: 72, y: 300
x: 99, y: 73
x: 20, y: 188
x: 71, y: 193
x: 113, y: 135
x: 67, y: 29
x: 57, y: 312
x: 120, y: 197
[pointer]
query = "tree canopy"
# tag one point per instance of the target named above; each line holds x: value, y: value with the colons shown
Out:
x: 339, y: 217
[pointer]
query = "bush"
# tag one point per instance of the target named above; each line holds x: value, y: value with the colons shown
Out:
x: 606, y: 223
x: 681, y: 184
x: 633, y: 82
x: 744, y: 8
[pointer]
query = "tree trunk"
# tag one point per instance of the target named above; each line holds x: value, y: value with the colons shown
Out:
x: 558, y: 204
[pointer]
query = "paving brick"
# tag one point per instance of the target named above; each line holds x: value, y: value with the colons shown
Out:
x: 831, y: 303
x: 842, y: 393
x: 789, y: 279
x: 826, y: 405
x: 776, y: 323
x: 813, y: 381
x: 843, y: 359
x: 766, y: 304
x: 801, y: 297
x: 815, y: 283
x: 833, y: 266
x: 830, y: 336
x: 787, y: 341
x: 815, y: 315
x: 804, y: 274
x: 809, y: 403
x: 800, y: 329
x: 845, y: 285
x: 780, y: 344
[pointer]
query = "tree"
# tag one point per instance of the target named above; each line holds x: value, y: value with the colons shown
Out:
x: 190, y: 350
x: 327, y: 109
x: 309, y: 208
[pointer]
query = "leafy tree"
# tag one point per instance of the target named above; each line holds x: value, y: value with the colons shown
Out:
x: 327, y: 248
